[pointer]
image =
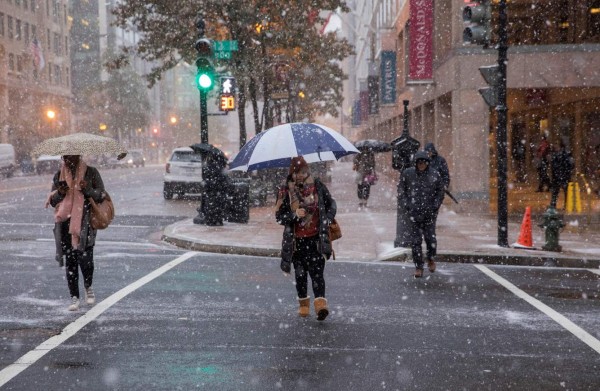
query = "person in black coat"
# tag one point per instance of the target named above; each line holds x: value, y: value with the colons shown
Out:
x: 438, y: 163
x: 216, y: 184
x: 562, y: 165
x: 422, y: 192
x: 305, y: 208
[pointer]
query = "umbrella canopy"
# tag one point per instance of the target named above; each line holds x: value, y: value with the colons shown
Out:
x: 373, y: 146
x: 208, y: 149
x: 275, y: 147
x: 80, y: 144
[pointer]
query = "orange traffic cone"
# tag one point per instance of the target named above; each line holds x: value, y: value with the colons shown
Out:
x: 525, y: 238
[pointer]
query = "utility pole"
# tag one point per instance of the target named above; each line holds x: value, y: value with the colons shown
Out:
x: 502, y: 111
x: 204, y: 77
x: 478, y: 31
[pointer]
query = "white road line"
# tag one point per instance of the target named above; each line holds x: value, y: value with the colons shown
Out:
x: 595, y: 271
x: 554, y: 315
x: 71, y: 329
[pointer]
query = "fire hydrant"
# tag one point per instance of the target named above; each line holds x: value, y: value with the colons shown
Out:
x: 552, y: 224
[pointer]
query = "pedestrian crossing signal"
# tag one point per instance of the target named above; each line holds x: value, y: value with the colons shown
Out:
x: 227, y: 103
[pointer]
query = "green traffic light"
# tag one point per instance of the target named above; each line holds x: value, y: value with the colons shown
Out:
x: 204, y: 81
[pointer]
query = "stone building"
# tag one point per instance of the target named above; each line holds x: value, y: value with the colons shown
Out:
x: 35, y: 71
x: 553, y: 86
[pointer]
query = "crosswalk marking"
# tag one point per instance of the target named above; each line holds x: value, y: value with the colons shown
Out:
x: 554, y: 315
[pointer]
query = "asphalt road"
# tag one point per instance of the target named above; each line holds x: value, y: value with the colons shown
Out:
x: 172, y: 320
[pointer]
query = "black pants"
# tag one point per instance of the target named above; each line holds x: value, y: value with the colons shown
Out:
x: 363, y: 191
x: 420, y: 229
x: 556, y: 190
x: 75, y: 259
x: 543, y: 177
x: 308, y: 261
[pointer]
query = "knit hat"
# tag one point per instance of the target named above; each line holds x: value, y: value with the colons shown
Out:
x: 297, y: 164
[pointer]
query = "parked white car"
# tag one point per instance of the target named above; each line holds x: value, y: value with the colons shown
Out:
x: 8, y: 164
x: 47, y: 164
x: 183, y: 173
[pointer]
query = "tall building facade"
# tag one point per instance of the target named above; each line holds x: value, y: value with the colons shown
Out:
x: 93, y: 41
x: 35, y: 72
x: 553, y: 86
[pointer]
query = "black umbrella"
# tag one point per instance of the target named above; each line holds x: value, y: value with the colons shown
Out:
x: 208, y: 149
x: 371, y: 145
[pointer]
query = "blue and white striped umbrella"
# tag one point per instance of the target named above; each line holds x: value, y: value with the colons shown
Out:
x: 275, y: 147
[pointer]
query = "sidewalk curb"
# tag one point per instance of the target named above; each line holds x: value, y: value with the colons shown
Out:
x: 448, y: 257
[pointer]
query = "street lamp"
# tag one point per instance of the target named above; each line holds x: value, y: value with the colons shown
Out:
x: 173, y: 120
x: 51, y: 114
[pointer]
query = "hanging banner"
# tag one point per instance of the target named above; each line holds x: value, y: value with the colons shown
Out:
x: 420, y: 55
x: 373, y: 83
x: 388, y: 77
x: 356, y: 113
x: 364, y: 105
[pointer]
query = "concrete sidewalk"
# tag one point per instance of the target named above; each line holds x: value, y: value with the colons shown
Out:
x: 369, y: 233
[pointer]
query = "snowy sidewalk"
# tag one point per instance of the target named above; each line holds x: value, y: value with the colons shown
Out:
x: 369, y: 233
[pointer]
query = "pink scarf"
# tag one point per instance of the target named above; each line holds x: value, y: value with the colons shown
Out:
x: 72, y: 205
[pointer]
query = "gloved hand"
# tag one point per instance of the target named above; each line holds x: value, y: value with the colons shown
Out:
x: 285, y: 266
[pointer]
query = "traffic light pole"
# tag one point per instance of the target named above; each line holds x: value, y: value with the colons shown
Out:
x: 203, y: 117
x: 501, y: 139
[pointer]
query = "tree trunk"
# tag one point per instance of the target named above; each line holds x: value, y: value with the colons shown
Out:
x: 253, y: 99
x: 242, y: 113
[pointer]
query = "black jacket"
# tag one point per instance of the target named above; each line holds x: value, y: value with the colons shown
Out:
x: 562, y: 167
x: 287, y: 218
x: 439, y: 163
x: 421, y: 193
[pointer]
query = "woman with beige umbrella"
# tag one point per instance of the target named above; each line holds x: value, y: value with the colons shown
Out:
x: 74, y: 187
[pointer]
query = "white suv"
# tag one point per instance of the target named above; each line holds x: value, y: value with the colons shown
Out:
x: 183, y: 173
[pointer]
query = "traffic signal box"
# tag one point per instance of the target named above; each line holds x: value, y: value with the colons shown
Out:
x: 227, y: 97
x: 477, y: 17
x: 205, y: 77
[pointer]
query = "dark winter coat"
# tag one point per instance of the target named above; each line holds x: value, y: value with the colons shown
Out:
x: 287, y: 218
x: 438, y: 163
x: 421, y: 192
x: 94, y: 190
x: 562, y: 167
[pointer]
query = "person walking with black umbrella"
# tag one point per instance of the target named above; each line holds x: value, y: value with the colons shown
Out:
x: 422, y: 193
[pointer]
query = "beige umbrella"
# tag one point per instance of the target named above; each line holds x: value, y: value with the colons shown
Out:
x: 80, y: 144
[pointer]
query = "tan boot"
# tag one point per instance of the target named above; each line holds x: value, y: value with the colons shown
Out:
x: 321, y: 308
x: 304, y: 309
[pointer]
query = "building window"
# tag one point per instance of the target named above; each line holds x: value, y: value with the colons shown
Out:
x: 25, y: 4
x: 1, y: 24
x: 50, y: 73
x: 18, y: 3
x: 48, y: 8
x: 57, y: 45
x: 67, y: 46
x: 57, y: 75
x: 26, y: 32
x: 32, y: 5
x: 18, y: 29
x: 11, y: 61
x: 33, y: 31
x: 9, y: 26
x: 48, y: 36
x: 67, y: 77
x: 19, y: 64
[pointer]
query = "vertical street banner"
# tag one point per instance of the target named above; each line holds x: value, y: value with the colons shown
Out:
x: 373, y: 86
x: 388, y: 77
x: 356, y: 112
x: 420, y: 55
x: 364, y: 105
